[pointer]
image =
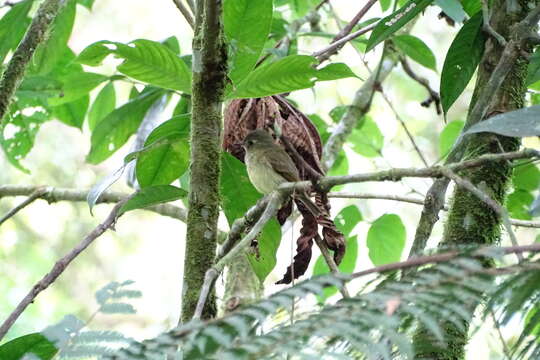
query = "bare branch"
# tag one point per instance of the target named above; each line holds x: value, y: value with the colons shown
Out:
x: 433, y: 95
x: 329, y: 259
x: 185, y: 12
x: 36, y: 34
x: 487, y: 26
x: 335, y: 46
x: 60, y: 266
x: 30, y: 199
x: 52, y: 194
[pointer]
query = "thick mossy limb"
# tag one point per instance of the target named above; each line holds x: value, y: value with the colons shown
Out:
x: 16, y: 68
x: 470, y: 221
x: 209, y: 74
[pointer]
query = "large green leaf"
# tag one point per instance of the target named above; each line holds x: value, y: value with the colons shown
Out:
x: 518, y: 123
x: 533, y: 70
x: 461, y: 61
x: 417, y: 50
x: 104, y: 104
x: 526, y: 176
x: 347, y: 219
x: 72, y: 113
x: 385, y: 4
x: 246, y: 24
x: 367, y: 140
x: 290, y: 73
x: 238, y: 195
x: 386, y: 239
x: 347, y: 265
x: 32, y: 344
x: 518, y: 204
x: 152, y: 195
x: 50, y: 52
x: 449, y: 135
x: 76, y: 85
x: 471, y: 7
x: 392, y: 23
x: 162, y: 164
x: 144, y: 60
x: 13, y: 26
x: 115, y: 129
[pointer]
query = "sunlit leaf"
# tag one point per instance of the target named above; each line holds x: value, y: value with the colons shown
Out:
x: 518, y: 204
x: 72, y: 113
x: 347, y: 219
x: 449, y: 135
x: 416, y: 49
x: 246, y: 24
x: 103, y: 105
x: 76, y: 85
x: 392, y: 23
x: 526, y: 176
x: 32, y: 344
x: 152, y: 195
x: 13, y: 26
x: 368, y: 139
x: 386, y: 239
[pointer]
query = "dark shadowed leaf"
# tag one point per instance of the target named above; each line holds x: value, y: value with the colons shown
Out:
x: 165, y: 163
x: 417, y: 50
x: 238, y: 195
x: 386, y: 239
x: 103, y: 105
x: 392, y: 23
x: 115, y: 129
x: 32, y: 344
x: 461, y: 61
x: 347, y: 266
x: 518, y: 123
x: 13, y: 26
x: 471, y: 7
x: 246, y: 24
x: 152, y: 195
x: 448, y: 136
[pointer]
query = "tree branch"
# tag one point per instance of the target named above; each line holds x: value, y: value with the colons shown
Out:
x: 60, y: 266
x: 433, y: 95
x: 36, y: 34
x: 52, y: 194
x: 30, y: 199
x: 322, y: 54
x: 185, y: 12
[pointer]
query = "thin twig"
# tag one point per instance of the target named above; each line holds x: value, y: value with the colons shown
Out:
x: 433, y: 95
x: 338, y: 44
x: 30, y: 199
x: 346, y: 30
x: 330, y: 262
x: 52, y: 194
x: 506, y: 350
x: 414, y: 200
x: 60, y: 266
x: 487, y: 26
x: 185, y: 12
x: 495, y: 206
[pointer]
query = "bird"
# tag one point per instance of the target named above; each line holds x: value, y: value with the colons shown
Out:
x: 269, y: 165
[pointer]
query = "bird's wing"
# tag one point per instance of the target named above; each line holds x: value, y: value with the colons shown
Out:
x: 282, y: 163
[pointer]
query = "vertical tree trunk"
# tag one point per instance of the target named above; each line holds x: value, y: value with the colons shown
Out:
x: 470, y: 221
x: 209, y: 74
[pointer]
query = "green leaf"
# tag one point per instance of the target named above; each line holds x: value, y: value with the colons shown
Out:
x: 87, y: 3
x: 72, y: 113
x: 103, y: 105
x: 461, y: 61
x: 75, y: 86
x: 347, y: 265
x: 526, y: 176
x: 287, y: 74
x: 41, y: 87
x: 347, y: 219
x: 392, y: 23
x: 368, y: 139
x: 453, y: 9
x: 321, y: 125
x: 339, y: 168
x: 172, y: 43
x: 165, y: 163
x: 334, y: 72
x: 533, y: 69
x: 417, y: 50
x: 35, y: 344
x: 51, y: 51
x: 246, y: 24
x: 238, y: 195
x: 518, y: 204
x: 13, y: 27
x: 115, y: 129
x: 448, y: 136
x: 183, y: 106
x: 385, y: 4
x: 518, y: 123
x: 151, y: 196
x: 471, y: 7
x: 386, y: 239
x: 144, y: 60
x: 17, y: 134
